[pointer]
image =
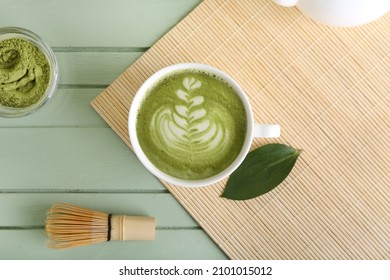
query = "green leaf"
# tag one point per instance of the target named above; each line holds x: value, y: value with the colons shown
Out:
x: 262, y: 170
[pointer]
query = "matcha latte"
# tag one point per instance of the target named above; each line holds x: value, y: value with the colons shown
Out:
x: 191, y: 125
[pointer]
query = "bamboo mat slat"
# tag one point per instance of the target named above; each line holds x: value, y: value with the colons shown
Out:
x: 328, y: 88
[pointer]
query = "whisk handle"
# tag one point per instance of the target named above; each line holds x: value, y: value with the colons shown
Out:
x: 132, y: 227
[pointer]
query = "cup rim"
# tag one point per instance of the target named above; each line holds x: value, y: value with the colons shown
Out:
x: 19, y: 32
x: 137, y: 100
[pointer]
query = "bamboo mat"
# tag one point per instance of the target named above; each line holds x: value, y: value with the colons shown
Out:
x: 328, y: 88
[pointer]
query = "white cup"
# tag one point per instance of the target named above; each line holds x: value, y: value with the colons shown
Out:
x: 253, y: 130
x: 341, y: 13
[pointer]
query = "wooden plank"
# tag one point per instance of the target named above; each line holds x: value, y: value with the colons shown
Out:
x: 66, y: 152
x: 120, y: 23
x: 169, y: 244
x: 74, y: 159
x: 68, y: 107
x: 29, y: 209
x: 88, y: 68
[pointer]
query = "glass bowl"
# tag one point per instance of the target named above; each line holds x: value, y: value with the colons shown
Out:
x: 21, y: 33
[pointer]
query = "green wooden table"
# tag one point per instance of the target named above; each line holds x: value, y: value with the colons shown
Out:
x: 66, y: 153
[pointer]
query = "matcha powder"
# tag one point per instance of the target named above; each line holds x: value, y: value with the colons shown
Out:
x: 24, y: 73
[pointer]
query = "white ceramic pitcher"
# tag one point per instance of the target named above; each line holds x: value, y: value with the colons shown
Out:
x: 343, y: 13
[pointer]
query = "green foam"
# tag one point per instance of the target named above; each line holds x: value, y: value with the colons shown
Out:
x: 191, y: 125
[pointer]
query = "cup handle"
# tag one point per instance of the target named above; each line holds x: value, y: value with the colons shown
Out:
x: 266, y: 130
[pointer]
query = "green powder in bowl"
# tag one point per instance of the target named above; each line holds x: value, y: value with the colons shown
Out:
x: 28, y: 72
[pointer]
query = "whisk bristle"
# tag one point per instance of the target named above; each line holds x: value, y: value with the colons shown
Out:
x: 71, y: 226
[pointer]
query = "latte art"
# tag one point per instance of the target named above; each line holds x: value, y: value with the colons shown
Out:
x: 191, y: 125
x: 190, y: 131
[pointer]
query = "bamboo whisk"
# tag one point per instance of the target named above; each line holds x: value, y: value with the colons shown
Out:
x: 71, y: 226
